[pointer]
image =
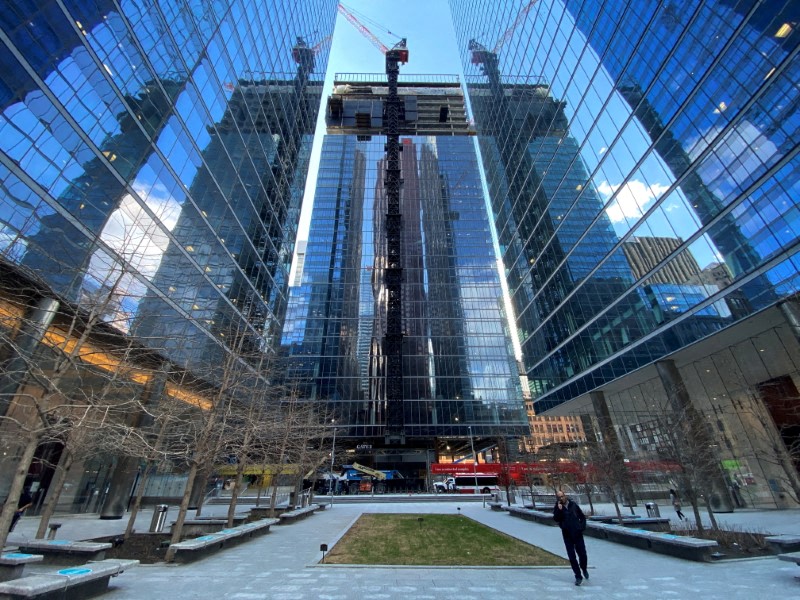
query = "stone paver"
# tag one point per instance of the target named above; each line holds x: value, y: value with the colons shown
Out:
x: 284, y: 565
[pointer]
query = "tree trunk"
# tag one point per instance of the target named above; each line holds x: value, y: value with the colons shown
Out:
x: 274, y: 497
x: 237, y: 486
x: 177, y: 528
x: 699, y: 522
x: 137, y: 503
x: 54, y: 492
x: 17, y: 485
x: 616, y: 508
x: 149, y: 467
x: 711, y: 517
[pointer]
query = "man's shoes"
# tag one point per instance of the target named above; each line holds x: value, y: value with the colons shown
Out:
x: 578, y: 581
x: 585, y: 573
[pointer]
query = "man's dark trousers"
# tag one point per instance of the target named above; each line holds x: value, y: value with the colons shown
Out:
x: 575, y: 545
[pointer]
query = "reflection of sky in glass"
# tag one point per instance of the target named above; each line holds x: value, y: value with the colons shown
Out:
x: 119, y: 139
x: 613, y: 144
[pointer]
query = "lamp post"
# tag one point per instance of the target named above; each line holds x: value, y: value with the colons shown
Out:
x: 474, y: 459
x: 333, y: 451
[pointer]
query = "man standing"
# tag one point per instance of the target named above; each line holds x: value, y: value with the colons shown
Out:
x: 572, y: 521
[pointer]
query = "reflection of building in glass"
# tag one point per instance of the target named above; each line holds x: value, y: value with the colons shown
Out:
x: 554, y: 431
x: 683, y: 117
x: 553, y: 234
x: 152, y: 162
x: 238, y: 228
x: 458, y: 372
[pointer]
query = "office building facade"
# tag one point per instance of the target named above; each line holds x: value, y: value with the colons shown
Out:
x: 460, y: 381
x: 153, y: 158
x: 649, y: 150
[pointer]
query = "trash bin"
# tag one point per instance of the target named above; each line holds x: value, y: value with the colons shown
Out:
x: 159, y: 518
x: 652, y: 509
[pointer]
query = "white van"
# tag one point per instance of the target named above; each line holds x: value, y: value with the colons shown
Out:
x: 465, y: 484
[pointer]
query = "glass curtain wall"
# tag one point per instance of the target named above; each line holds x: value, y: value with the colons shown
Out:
x: 674, y: 166
x: 153, y: 157
x: 458, y: 370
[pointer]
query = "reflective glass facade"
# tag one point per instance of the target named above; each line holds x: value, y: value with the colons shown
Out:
x: 153, y: 158
x: 459, y: 370
x: 642, y: 162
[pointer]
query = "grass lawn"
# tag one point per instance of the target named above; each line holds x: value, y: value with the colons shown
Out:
x: 401, y: 539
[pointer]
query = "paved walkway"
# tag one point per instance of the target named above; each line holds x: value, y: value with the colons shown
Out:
x: 284, y: 565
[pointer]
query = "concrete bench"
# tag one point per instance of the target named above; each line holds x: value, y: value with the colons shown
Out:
x: 205, y: 525
x: 529, y: 514
x: 66, y: 552
x: 298, y: 513
x: 69, y: 583
x: 495, y: 506
x: 12, y: 564
x: 664, y: 543
x: 191, y: 550
x: 263, y: 512
x: 649, y: 523
x: 790, y: 557
x: 655, y: 541
x: 783, y: 543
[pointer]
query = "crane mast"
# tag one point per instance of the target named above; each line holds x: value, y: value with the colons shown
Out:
x: 393, y: 272
x: 393, y: 342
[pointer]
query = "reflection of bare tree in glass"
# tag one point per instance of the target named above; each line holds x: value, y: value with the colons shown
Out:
x: 685, y: 441
x: 778, y: 412
x: 607, y: 469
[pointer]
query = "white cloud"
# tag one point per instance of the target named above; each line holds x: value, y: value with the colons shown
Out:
x: 632, y: 199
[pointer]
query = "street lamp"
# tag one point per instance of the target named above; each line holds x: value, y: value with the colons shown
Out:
x: 333, y: 452
x: 474, y: 459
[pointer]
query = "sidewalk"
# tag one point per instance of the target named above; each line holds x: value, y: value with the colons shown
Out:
x: 284, y: 565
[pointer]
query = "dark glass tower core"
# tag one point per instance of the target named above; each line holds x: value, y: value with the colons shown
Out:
x: 458, y: 369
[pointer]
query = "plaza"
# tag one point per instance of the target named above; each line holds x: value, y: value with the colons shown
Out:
x: 285, y: 564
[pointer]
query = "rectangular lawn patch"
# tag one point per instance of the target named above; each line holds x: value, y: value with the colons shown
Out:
x: 402, y: 539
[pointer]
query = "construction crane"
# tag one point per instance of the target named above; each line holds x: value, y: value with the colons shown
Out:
x: 393, y: 272
x: 364, y: 30
x: 305, y: 56
x: 481, y: 55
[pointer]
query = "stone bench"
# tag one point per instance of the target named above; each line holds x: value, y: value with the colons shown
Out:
x: 263, y: 512
x: 73, y: 582
x: 66, y: 552
x: 783, y: 543
x: 529, y: 514
x: 790, y: 557
x: 12, y: 564
x: 191, y: 550
x: 495, y: 506
x: 656, y: 541
x: 649, y: 523
x: 205, y: 525
x: 298, y: 513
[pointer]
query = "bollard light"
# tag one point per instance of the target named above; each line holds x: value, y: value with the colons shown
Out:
x: 323, y: 548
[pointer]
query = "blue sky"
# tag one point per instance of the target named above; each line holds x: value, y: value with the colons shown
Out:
x: 427, y: 26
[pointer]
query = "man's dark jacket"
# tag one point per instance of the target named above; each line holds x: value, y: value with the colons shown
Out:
x: 570, y: 518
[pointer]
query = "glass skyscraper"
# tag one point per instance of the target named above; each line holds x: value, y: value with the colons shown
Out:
x: 153, y: 158
x: 460, y: 378
x: 642, y: 162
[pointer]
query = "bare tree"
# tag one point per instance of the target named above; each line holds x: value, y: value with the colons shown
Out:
x: 50, y: 388
x: 685, y: 442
